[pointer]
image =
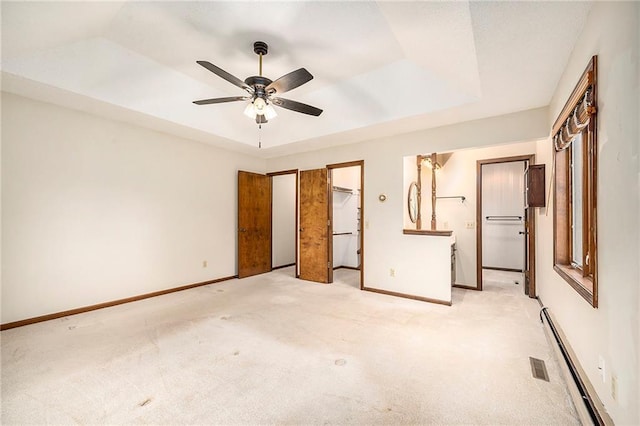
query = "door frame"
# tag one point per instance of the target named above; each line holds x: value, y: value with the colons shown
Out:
x: 297, y: 207
x: 330, y: 167
x: 530, y: 223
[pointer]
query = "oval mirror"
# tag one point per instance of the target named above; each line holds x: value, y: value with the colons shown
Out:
x: 412, y: 202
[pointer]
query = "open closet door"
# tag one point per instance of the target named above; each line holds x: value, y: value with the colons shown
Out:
x: 254, y: 224
x: 530, y: 257
x: 314, y: 226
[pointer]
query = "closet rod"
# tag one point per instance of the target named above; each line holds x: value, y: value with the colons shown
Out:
x: 462, y: 197
x: 341, y: 189
x: 504, y: 217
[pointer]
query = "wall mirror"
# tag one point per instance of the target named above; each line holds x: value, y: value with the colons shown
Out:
x: 412, y: 203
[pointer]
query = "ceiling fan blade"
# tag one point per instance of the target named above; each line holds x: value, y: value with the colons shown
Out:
x: 296, y: 106
x: 289, y: 81
x: 223, y: 74
x: 221, y: 100
x: 260, y: 119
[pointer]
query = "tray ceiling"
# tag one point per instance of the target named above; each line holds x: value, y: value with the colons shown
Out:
x: 380, y: 67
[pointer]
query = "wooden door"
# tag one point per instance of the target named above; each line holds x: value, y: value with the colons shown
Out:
x: 530, y: 250
x: 254, y: 224
x: 314, y: 226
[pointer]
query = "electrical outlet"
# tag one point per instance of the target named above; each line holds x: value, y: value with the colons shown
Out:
x: 614, y: 387
x: 204, y: 263
x: 469, y: 224
x: 392, y: 272
x: 601, y: 369
x: 366, y: 224
x: 445, y: 225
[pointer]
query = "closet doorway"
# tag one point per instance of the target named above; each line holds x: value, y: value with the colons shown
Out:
x: 505, y: 228
x: 317, y: 228
x: 345, y: 217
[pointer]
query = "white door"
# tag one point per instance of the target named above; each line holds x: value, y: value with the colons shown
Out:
x: 503, y: 217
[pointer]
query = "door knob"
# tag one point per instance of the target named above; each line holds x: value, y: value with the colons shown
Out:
x: 523, y: 232
x: 301, y: 229
x: 243, y: 230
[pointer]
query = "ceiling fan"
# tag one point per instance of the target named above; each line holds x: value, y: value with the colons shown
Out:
x: 262, y: 91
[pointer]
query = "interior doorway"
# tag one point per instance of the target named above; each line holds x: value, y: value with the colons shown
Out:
x: 267, y: 222
x: 317, y: 223
x: 505, y: 228
x: 284, y: 219
x: 346, y: 213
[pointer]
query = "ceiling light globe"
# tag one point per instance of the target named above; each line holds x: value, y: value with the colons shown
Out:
x: 249, y: 111
x: 259, y: 105
x: 269, y: 112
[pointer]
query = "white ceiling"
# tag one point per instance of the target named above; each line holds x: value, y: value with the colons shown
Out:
x: 380, y: 68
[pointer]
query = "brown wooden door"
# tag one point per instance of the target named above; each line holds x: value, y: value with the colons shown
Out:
x: 529, y: 223
x: 314, y: 226
x: 530, y: 250
x: 254, y: 224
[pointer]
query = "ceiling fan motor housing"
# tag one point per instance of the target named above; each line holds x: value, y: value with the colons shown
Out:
x: 258, y: 83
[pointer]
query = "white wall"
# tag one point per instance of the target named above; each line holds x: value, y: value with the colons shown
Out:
x: 346, y: 177
x: 283, y: 220
x: 458, y: 177
x: 96, y: 210
x: 385, y: 246
x: 611, y: 331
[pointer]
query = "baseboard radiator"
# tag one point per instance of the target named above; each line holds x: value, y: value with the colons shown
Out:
x: 589, y: 407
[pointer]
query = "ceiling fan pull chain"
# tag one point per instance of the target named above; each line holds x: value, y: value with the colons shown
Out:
x: 259, y: 135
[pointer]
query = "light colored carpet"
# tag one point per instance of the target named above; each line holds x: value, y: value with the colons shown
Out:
x: 275, y: 350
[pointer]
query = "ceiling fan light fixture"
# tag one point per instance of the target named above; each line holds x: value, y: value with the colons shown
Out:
x: 427, y: 162
x: 249, y: 111
x: 259, y: 105
x: 270, y: 112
